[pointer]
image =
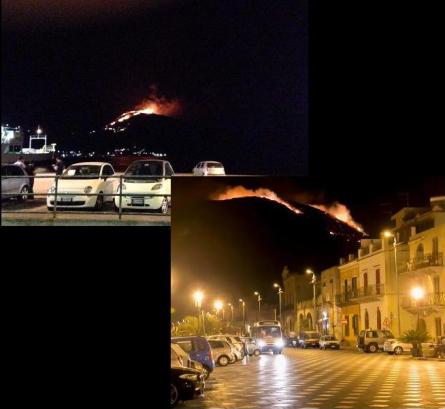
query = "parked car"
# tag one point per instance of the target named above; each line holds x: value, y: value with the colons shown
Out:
x: 179, y: 356
x: 185, y: 384
x: 199, y: 350
x: 251, y: 346
x: 222, y: 352
x: 290, y: 340
x: 18, y: 185
x: 209, y: 168
x: 373, y: 340
x: 83, y: 178
x: 236, y: 343
x: 329, y: 341
x: 393, y: 346
x: 309, y: 339
x: 146, y: 177
x: 440, y: 348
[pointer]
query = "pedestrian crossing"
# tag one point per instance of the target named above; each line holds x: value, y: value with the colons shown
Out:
x: 315, y: 379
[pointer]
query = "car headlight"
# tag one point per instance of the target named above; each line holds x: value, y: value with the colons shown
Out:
x: 88, y: 189
x: 189, y: 377
x: 261, y: 343
x: 157, y: 186
x: 279, y: 343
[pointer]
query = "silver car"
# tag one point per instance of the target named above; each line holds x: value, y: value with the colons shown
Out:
x: 14, y: 182
x: 222, y: 352
x: 252, y: 347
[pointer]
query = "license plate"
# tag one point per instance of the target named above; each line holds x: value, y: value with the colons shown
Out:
x: 66, y: 198
x: 137, y: 201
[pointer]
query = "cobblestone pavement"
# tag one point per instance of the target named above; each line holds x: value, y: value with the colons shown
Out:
x: 315, y: 379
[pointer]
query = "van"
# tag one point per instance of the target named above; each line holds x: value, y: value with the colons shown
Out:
x: 199, y: 350
x: 372, y: 340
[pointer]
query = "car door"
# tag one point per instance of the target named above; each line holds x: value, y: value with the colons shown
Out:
x: 108, y: 184
x: 168, y: 171
x: 17, y: 182
x: 6, y: 182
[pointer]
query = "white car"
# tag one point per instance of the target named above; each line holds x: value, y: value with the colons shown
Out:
x: 15, y: 182
x: 83, y: 178
x: 329, y: 341
x: 393, y: 346
x: 142, y: 180
x: 237, y: 344
x: 209, y: 168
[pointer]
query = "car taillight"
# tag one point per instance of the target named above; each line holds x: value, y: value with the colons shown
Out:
x: 210, y: 355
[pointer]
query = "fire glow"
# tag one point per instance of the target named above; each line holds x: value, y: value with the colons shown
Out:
x: 154, y: 104
x: 337, y: 210
x: 240, y: 191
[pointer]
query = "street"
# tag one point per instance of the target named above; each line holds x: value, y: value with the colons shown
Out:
x: 316, y: 379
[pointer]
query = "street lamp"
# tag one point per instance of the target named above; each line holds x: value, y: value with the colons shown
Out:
x: 198, y: 296
x: 417, y: 293
x: 388, y: 234
x: 259, y: 303
x: 309, y: 271
x: 243, y: 303
x: 280, y: 291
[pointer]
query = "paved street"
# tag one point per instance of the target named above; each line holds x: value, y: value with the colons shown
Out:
x: 325, y: 379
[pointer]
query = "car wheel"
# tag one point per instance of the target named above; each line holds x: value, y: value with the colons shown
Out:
x: 164, y: 206
x: 390, y: 352
x: 372, y: 348
x: 257, y: 352
x: 223, y: 360
x: 174, y: 395
x: 23, y: 194
x: 398, y: 350
x: 50, y: 209
x: 99, y: 202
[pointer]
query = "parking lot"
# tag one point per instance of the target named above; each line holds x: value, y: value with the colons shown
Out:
x: 316, y: 379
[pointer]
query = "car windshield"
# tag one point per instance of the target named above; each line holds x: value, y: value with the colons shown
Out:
x: 151, y: 168
x: 185, y: 345
x: 82, y: 172
x: 214, y: 165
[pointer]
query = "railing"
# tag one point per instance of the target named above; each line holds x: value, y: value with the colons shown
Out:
x: 428, y: 260
x: 357, y: 294
x: 428, y: 300
x: 63, y: 197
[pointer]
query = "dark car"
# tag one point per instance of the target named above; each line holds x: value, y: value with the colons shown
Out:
x: 185, y: 384
x: 199, y: 350
x: 309, y: 339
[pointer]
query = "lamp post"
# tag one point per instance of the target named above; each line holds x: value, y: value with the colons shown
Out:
x: 417, y: 293
x: 387, y: 234
x: 243, y: 304
x: 231, y: 309
x: 259, y: 304
x: 198, y: 296
x: 218, y: 307
x: 309, y: 271
x: 280, y: 291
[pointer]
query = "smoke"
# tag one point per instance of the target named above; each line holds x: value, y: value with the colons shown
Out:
x: 336, y: 209
x: 240, y: 191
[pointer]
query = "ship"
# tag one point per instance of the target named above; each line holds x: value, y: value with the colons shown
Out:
x: 12, y: 146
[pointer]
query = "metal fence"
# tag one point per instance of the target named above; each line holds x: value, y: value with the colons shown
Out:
x: 59, y: 196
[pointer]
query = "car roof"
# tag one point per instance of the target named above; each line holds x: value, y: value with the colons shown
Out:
x: 91, y: 163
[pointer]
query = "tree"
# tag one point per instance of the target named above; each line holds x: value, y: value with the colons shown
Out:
x: 415, y: 337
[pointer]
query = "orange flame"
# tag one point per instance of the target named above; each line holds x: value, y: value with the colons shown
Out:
x: 336, y: 210
x: 340, y: 212
x: 154, y: 104
x: 240, y: 191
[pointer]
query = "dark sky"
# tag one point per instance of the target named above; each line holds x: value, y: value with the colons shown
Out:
x: 230, y: 249
x: 238, y: 67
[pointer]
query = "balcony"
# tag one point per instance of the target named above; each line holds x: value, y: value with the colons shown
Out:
x: 428, y: 260
x: 431, y: 302
x: 358, y: 295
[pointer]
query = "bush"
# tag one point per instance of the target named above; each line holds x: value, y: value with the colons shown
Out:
x: 415, y: 336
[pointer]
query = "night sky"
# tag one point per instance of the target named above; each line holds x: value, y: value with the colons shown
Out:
x: 232, y: 248
x: 238, y: 67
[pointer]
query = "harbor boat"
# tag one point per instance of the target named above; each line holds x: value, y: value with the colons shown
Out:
x: 12, y: 146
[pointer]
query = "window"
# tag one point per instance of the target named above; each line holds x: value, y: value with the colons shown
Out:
x: 366, y: 319
x: 186, y: 346
x: 107, y: 171
x: 365, y: 283
x: 15, y: 171
x: 216, y: 344
x: 354, y: 286
x: 379, y: 319
x: 377, y: 281
x: 168, y: 169
x: 419, y: 253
